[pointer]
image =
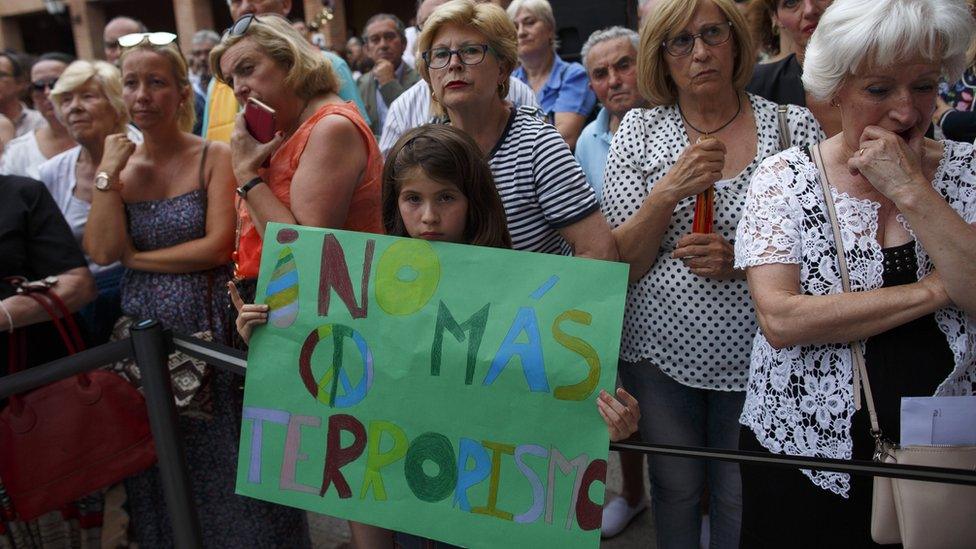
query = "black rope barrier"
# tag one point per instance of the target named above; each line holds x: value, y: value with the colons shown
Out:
x: 55, y: 370
x: 858, y: 467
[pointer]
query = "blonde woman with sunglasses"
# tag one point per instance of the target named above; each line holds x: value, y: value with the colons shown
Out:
x: 165, y: 209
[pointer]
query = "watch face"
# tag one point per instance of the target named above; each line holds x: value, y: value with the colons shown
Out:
x: 102, y: 182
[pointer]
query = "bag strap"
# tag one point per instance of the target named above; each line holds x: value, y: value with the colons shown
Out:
x: 860, y: 371
x: 55, y: 319
x: 785, y: 139
x: 69, y: 319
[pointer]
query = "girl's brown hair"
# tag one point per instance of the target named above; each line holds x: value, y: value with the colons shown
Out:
x: 447, y: 155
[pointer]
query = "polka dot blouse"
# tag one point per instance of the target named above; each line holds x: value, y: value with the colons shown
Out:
x: 697, y: 330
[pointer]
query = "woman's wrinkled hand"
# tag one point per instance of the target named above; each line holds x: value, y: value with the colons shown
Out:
x: 890, y: 164
x: 621, y: 416
x: 246, y: 153
x: 706, y: 254
x: 249, y: 315
x: 698, y: 167
x: 118, y: 149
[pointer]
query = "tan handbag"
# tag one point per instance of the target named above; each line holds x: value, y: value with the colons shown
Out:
x: 917, y: 514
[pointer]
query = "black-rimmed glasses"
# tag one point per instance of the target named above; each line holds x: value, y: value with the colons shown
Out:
x: 712, y: 35
x: 154, y: 38
x: 438, y: 58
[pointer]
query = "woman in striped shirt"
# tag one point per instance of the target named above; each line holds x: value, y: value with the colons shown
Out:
x: 469, y: 51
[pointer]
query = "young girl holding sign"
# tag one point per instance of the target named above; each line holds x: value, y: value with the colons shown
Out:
x: 438, y: 186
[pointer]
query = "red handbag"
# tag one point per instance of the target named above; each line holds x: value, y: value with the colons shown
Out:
x: 68, y: 439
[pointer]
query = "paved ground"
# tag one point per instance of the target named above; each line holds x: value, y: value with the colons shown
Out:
x: 330, y: 533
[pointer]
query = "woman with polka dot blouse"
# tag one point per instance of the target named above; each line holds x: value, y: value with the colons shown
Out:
x: 689, y: 322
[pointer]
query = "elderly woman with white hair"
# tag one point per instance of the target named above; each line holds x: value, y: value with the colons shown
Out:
x: 905, y: 207
x: 562, y: 88
x: 87, y: 98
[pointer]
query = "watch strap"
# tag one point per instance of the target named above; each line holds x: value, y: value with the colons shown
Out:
x: 245, y: 188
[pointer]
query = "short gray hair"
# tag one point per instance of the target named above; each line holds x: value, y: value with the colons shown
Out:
x: 605, y: 35
x: 401, y: 29
x: 857, y: 34
x: 539, y: 8
x: 205, y: 35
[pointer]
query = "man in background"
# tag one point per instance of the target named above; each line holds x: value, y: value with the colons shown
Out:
x: 13, y: 84
x: 199, y: 61
x: 115, y: 29
x: 610, y: 59
x: 385, y: 43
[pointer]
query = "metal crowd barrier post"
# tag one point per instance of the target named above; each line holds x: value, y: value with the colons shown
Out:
x: 151, y: 351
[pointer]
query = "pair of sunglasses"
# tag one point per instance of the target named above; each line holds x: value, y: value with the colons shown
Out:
x: 41, y: 86
x: 240, y: 26
x: 154, y: 38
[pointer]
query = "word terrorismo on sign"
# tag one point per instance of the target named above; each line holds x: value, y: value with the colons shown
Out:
x: 438, y: 389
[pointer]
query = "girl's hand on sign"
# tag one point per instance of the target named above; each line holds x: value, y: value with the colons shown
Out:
x: 620, y: 415
x: 249, y: 315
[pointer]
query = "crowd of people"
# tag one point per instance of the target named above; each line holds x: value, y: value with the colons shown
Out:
x: 699, y: 149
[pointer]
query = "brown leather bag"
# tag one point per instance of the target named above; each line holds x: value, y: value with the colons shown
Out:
x: 70, y: 438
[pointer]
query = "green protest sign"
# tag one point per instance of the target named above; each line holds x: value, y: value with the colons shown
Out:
x: 438, y: 389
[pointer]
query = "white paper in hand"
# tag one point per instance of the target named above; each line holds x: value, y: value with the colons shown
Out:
x: 938, y: 420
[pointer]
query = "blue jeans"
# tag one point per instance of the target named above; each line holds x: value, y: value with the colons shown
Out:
x: 672, y: 413
x: 100, y: 315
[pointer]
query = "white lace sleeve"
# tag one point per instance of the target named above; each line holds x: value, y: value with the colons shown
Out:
x: 769, y: 231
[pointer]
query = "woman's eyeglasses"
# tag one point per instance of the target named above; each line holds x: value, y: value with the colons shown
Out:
x: 438, y: 58
x: 713, y: 35
x: 154, y: 38
x: 41, y: 86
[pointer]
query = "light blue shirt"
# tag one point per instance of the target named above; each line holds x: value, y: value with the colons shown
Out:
x: 592, y: 149
x: 566, y: 90
x: 347, y: 84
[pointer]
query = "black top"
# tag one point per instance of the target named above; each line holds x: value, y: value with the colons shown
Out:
x: 35, y: 242
x: 907, y: 360
x: 779, y: 82
x: 959, y: 125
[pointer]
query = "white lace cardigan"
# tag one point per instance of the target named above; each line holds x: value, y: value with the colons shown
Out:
x: 799, y: 400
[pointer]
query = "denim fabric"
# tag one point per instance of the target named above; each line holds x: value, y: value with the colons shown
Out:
x: 100, y: 315
x: 672, y: 413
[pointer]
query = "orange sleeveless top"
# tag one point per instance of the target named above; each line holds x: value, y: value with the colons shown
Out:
x: 365, y: 210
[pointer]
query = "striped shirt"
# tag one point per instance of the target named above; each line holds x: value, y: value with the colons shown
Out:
x: 541, y: 184
x: 412, y: 109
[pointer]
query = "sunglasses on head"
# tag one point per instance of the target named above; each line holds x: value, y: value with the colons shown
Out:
x: 41, y: 86
x: 154, y: 38
x: 240, y: 26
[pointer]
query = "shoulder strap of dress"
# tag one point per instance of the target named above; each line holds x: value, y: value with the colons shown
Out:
x: 203, y: 164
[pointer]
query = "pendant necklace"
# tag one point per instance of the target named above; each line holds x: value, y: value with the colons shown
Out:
x: 705, y: 134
